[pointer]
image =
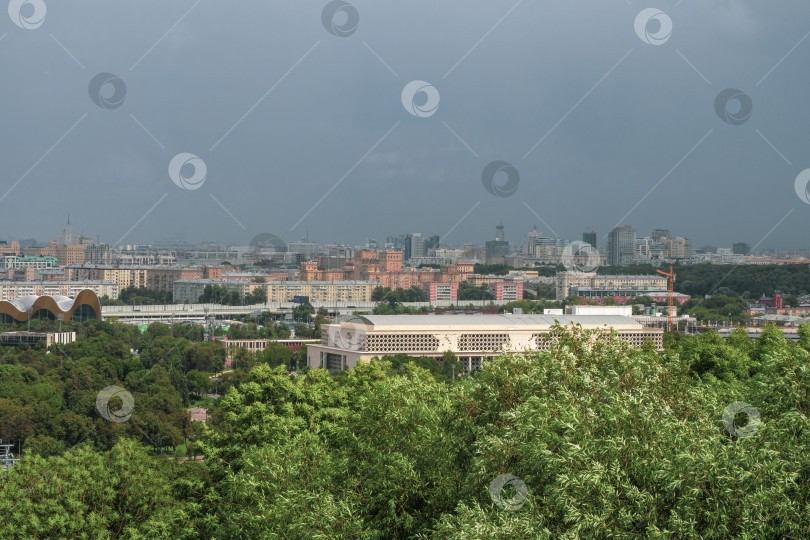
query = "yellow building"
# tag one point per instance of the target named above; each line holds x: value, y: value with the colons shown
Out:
x: 320, y: 291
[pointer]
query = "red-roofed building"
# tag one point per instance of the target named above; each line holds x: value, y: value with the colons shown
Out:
x: 774, y: 302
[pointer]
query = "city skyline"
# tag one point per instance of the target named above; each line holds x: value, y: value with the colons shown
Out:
x: 352, y: 268
x: 516, y: 245
x: 519, y: 110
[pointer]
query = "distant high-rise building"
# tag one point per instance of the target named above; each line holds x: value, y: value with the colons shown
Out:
x: 621, y: 245
x: 67, y: 233
x: 680, y: 248
x: 740, y: 248
x: 395, y: 242
x: 589, y: 238
x: 304, y: 250
x: 470, y: 250
x: 498, y: 248
x: 549, y: 248
x: 97, y: 253
x: 531, y: 243
x: 415, y: 246
x: 649, y: 249
x: 431, y: 242
x: 337, y: 251
x: 660, y: 235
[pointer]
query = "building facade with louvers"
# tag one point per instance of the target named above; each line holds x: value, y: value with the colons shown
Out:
x: 472, y: 338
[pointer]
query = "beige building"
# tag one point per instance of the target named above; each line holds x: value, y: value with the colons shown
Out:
x: 70, y: 254
x: 9, y: 290
x: 258, y: 345
x: 156, y: 278
x: 629, y: 282
x: 680, y: 248
x: 320, y: 291
x: 473, y: 338
x: 12, y: 247
x: 123, y: 276
x: 564, y: 281
x: 97, y: 253
x: 31, y: 338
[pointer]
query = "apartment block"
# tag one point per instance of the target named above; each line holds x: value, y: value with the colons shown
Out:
x: 320, y: 291
x: 507, y: 291
x: 447, y: 292
x: 565, y: 281
x: 9, y: 290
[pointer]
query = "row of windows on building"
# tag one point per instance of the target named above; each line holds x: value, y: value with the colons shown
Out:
x: 473, y: 342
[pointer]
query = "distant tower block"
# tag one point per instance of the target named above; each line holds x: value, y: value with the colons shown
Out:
x: 589, y: 237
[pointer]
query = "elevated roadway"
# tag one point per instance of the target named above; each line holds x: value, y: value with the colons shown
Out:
x: 139, y: 314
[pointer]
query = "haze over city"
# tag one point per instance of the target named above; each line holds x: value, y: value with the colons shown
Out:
x: 301, y: 130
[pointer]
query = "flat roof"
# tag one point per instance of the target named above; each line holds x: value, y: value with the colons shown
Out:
x: 646, y: 290
x: 334, y: 282
x: 612, y: 276
x: 48, y: 283
x: 24, y: 333
x: 630, y: 276
x: 491, y: 322
x: 212, y: 280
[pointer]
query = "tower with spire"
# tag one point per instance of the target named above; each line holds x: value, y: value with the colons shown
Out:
x: 67, y: 233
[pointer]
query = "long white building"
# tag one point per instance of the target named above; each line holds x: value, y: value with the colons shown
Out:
x: 9, y: 290
x: 565, y: 281
x: 473, y: 338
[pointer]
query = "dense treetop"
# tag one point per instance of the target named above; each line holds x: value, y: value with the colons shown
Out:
x: 598, y: 440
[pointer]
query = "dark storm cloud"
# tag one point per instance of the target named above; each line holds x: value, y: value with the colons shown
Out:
x: 281, y: 111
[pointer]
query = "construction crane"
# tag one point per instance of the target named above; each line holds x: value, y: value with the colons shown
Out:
x: 671, y: 296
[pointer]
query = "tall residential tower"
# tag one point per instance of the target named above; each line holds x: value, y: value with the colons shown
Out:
x: 621, y: 246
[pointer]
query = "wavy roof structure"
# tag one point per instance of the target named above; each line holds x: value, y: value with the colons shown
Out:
x: 19, y: 308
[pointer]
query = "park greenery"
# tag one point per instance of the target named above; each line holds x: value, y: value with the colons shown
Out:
x: 137, y: 296
x: 394, y: 298
x: 220, y: 294
x: 600, y: 439
x: 719, y: 292
x: 747, y: 281
x: 397, y: 296
x: 467, y: 291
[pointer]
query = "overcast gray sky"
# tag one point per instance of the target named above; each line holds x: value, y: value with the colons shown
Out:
x: 281, y: 111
